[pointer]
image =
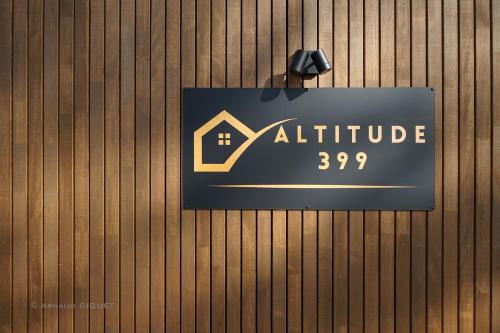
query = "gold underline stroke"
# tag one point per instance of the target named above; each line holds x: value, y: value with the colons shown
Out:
x: 312, y: 186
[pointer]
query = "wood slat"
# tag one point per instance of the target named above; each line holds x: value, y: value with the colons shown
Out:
x: 372, y: 218
x: 97, y: 172
x: 142, y: 164
x: 495, y: 253
x: 482, y: 167
x: 325, y: 218
x: 35, y: 162
x: 66, y: 161
x: 356, y: 219
x: 173, y: 202
x: 418, y: 218
x: 264, y: 229
x: 188, y: 226
x: 279, y: 224
x: 6, y: 38
x: 233, y: 217
x: 248, y: 272
x: 20, y: 169
x: 310, y: 218
x: 81, y: 151
x: 466, y: 114
x: 435, y: 217
x: 340, y: 219
x: 450, y: 167
x: 50, y: 163
x: 218, y: 229
x: 158, y: 117
x: 403, y: 219
x: 387, y: 218
x: 111, y: 163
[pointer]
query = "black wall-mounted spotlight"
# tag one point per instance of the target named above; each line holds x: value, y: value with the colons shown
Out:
x: 310, y: 62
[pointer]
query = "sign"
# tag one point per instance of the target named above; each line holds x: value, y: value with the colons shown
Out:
x: 331, y: 148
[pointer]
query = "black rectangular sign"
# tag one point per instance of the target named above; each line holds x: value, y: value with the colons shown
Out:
x: 326, y: 148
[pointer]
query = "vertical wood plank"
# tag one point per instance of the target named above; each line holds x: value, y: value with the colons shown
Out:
x: 81, y: 118
x: 403, y: 220
x: 97, y: 172
x: 188, y: 226
x: 294, y: 271
x: 402, y: 259
x: 264, y: 238
x: 233, y: 295
x: 158, y: 202
x: 279, y: 261
x: 249, y: 272
x: 6, y: 47
x: 450, y: 167
x: 248, y: 43
x: 218, y: 228
x: 325, y: 218
x: 356, y: 219
x: 35, y: 162
x: 387, y: 226
x: 20, y: 169
x: 142, y: 164
x: 66, y: 161
x: 111, y: 165
x: 249, y: 227
x: 218, y: 271
x: 279, y: 271
x: 173, y: 190
x: 310, y: 218
x: 188, y: 271
x: 418, y: 218
x: 340, y: 273
x: 50, y: 163
x: 325, y: 271
x: 340, y: 220
x: 97, y: 162
x: 387, y: 271
x: 372, y: 222
x: 203, y: 290
x: 434, y: 218
x: 371, y: 271
x: 495, y: 253
x: 233, y: 222
x: 310, y: 271
x: 294, y: 218
x: 264, y: 271
x: 203, y: 221
x: 127, y: 166
x: 482, y: 291
x: 466, y: 165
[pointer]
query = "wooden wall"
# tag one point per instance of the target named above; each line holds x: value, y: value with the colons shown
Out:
x: 90, y: 211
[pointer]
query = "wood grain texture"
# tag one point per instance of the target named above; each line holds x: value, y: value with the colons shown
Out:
x: 90, y: 188
x: 35, y: 162
x: 6, y: 38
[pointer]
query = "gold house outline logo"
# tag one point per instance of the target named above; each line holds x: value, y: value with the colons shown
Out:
x: 199, y: 166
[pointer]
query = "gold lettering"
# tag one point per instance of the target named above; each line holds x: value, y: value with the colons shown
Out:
x: 353, y: 129
x: 419, y: 134
x: 379, y: 134
x: 401, y: 130
x: 320, y: 129
x: 337, y: 133
x: 300, y: 139
x: 281, y: 136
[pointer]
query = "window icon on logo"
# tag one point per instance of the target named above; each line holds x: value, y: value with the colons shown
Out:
x: 224, y: 139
